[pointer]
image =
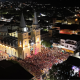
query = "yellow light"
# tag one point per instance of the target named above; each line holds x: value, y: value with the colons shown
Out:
x: 23, y: 48
x: 20, y: 45
x: 37, y: 39
x: 76, y: 19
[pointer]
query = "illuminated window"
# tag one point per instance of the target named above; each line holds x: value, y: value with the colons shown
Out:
x: 37, y: 39
x: 25, y: 43
x: 20, y: 42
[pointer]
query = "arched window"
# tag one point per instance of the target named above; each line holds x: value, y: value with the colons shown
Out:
x: 20, y: 42
x: 37, y: 39
x: 15, y: 53
x: 25, y: 43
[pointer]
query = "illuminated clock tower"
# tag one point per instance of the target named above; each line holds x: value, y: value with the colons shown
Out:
x: 23, y: 41
x: 35, y: 35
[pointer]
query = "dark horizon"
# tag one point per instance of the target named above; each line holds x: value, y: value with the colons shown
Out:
x: 53, y: 2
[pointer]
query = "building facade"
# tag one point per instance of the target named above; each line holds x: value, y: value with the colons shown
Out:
x: 69, y: 45
x: 21, y: 44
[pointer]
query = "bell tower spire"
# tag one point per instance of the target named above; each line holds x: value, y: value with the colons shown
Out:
x: 22, y: 27
x: 35, y: 22
x: 22, y: 22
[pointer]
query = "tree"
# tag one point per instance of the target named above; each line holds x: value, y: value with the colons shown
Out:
x: 52, y: 72
x: 46, y: 43
x: 60, y: 71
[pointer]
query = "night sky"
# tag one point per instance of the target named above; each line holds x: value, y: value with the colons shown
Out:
x: 54, y: 2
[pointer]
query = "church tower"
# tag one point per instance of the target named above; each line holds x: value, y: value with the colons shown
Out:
x: 23, y: 41
x: 35, y: 35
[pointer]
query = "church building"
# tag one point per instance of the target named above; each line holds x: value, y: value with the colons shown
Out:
x: 26, y: 42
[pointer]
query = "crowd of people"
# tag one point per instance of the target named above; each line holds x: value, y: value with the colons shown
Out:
x: 43, y: 60
x: 3, y: 56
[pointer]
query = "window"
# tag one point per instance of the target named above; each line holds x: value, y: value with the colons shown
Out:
x: 37, y: 39
x: 25, y: 43
x: 20, y: 42
x: 71, y: 46
x: 74, y: 48
x: 62, y: 44
x: 62, y: 41
x: 15, y: 53
x: 66, y: 46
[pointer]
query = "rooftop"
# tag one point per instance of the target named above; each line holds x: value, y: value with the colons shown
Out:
x: 71, y: 37
x: 11, y: 70
x: 71, y: 42
x: 72, y: 27
x: 74, y: 61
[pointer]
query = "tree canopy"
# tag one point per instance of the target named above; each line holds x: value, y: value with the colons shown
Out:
x: 46, y: 43
x: 60, y: 71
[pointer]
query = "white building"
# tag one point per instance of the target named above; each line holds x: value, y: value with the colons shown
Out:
x: 69, y: 44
